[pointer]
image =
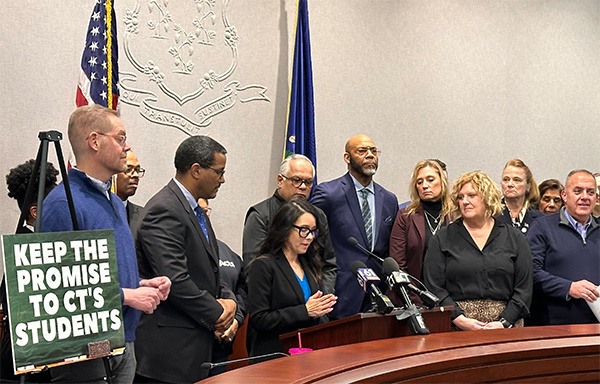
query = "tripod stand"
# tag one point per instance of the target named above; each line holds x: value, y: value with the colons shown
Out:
x: 41, y: 163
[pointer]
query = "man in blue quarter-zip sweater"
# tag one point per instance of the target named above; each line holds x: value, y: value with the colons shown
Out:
x: 98, y: 139
x: 565, y: 247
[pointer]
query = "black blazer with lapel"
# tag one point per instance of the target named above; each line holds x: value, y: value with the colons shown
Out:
x: 133, y: 214
x: 176, y: 339
x: 275, y: 303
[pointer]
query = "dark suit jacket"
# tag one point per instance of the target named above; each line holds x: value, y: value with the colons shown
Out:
x: 531, y: 215
x: 407, y: 247
x: 276, y: 303
x: 133, y: 214
x: 176, y: 339
x: 337, y: 198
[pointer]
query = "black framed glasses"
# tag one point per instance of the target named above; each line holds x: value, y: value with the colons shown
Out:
x: 305, y: 231
x: 120, y: 139
x: 221, y: 172
x: 131, y: 170
x: 297, y: 182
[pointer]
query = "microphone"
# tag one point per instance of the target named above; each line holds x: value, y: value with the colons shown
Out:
x: 399, y: 277
x: 398, y: 280
x: 355, y: 242
x: 208, y: 365
x: 429, y: 299
x: 368, y: 280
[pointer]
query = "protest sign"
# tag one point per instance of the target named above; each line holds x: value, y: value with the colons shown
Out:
x: 63, y: 293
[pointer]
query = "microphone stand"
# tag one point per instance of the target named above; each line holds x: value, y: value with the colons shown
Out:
x: 208, y: 365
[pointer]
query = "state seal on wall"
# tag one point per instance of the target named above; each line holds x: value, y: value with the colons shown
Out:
x: 184, y: 56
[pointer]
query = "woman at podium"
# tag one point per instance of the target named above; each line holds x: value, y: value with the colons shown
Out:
x: 478, y: 264
x: 284, y: 292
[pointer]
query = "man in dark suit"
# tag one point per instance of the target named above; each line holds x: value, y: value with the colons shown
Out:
x: 295, y: 180
x: 175, y: 237
x: 565, y: 248
x: 356, y: 207
x: 127, y: 184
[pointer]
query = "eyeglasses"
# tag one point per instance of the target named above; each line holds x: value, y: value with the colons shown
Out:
x: 305, y: 231
x: 131, y: 170
x: 297, y: 182
x: 221, y: 172
x: 120, y: 139
x: 363, y: 151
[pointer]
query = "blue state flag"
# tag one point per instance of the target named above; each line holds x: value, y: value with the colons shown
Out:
x: 300, y: 131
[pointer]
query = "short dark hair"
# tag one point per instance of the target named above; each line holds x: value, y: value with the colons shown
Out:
x: 197, y: 149
x: 18, y: 178
x: 280, y: 229
x: 550, y: 184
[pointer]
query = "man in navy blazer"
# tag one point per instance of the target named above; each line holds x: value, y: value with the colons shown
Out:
x: 343, y: 202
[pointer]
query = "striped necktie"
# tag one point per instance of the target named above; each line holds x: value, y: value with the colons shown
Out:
x: 366, y: 214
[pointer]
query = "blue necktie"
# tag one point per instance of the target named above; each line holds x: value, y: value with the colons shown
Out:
x: 202, y: 221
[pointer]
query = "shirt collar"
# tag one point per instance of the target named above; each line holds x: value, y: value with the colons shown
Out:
x: 360, y: 187
x: 188, y: 196
x: 102, y: 186
x: 574, y: 223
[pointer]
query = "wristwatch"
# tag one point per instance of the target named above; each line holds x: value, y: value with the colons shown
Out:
x: 505, y: 323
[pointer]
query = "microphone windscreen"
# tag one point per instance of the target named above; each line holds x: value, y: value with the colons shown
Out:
x: 356, y: 265
x: 390, y: 265
x: 352, y: 240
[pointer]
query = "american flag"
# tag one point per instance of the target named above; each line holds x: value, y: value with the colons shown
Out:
x: 99, y: 69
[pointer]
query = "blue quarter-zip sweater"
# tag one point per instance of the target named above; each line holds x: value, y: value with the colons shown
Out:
x: 94, y: 211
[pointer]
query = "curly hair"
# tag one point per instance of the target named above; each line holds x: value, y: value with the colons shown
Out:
x: 483, y: 184
x: 280, y: 230
x: 415, y: 200
x: 18, y: 178
x: 532, y: 196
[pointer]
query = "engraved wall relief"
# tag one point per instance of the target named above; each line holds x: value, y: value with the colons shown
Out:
x: 184, y: 55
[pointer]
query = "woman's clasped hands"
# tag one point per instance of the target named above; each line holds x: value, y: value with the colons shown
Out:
x: 319, y: 305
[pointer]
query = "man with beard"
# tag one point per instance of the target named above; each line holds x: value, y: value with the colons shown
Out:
x: 356, y: 207
x: 127, y: 184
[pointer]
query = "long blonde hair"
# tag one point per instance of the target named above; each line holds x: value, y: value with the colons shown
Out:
x: 415, y: 200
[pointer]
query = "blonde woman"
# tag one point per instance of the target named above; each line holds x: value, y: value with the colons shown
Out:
x: 478, y: 264
x: 415, y: 224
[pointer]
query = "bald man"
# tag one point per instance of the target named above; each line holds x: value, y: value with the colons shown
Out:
x: 356, y: 207
x: 127, y: 184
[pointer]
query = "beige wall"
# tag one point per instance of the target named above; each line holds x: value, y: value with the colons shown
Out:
x: 472, y: 82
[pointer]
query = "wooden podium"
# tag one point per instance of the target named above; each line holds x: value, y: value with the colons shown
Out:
x: 550, y: 354
x: 364, y: 327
